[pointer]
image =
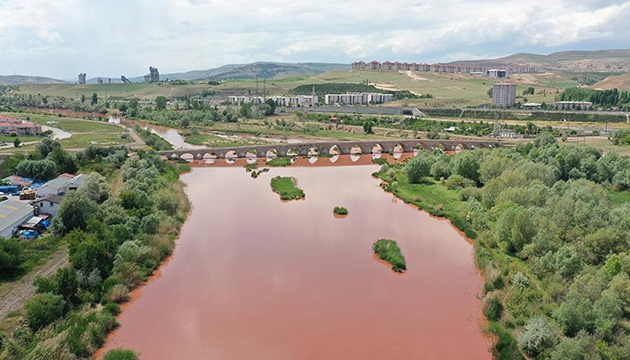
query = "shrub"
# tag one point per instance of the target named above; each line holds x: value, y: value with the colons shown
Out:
x: 537, y: 336
x: 493, y: 308
x: 10, y: 256
x: 43, y: 309
x: 118, y: 294
x: 389, y: 251
x: 339, y: 210
x: 120, y: 354
x: 456, y: 181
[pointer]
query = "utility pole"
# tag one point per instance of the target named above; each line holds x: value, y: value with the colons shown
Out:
x: 264, y: 89
x: 256, y: 84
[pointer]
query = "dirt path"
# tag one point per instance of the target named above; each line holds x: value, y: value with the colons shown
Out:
x: 415, y: 77
x: 14, y: 295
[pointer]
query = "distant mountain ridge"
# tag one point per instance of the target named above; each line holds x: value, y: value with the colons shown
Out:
x: 578, y: 61
x: 22, y: 79
x: 264, y: 70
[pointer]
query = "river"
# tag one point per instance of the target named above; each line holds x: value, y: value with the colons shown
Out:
x: 253, y: 277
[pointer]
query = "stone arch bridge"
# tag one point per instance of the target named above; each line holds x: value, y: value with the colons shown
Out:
x: 339, y: 147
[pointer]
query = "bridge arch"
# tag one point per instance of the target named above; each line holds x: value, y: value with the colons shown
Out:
x: 293, y: 151
x: 377, y: 149
x: 187, y: 156
x: 231, y: 154
x: 271, y: 154
x: 334, y: 150
x: 313, y: 151
x: 356, y: 150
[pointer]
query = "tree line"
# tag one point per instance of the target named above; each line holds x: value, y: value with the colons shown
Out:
x: 551, y: 226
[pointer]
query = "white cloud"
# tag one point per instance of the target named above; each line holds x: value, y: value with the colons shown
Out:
x: 63, y: 37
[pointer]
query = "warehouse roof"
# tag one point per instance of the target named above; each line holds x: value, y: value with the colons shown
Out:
x: 12, y: 211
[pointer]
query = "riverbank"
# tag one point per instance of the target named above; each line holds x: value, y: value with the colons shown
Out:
x: 128, y: 237
x: 439, y: 201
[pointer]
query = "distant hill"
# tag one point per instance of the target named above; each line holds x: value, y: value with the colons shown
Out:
x: 264, y: 70
x: 575, y: 61
x: 21, y: 79
x: 621, y: 82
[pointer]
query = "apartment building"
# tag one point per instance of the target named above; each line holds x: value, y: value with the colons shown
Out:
x: 504, y: 94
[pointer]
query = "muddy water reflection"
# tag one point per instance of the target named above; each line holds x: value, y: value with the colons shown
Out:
x: 256, y: 278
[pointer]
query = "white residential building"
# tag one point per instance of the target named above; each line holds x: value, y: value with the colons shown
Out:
x: 358, y: 98
x: 48, y: 204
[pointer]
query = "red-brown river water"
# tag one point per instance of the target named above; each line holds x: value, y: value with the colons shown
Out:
x: 253, y: 277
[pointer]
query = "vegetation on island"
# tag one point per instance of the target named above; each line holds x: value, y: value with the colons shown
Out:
x: 389, y: 251
x: 287, y: 188
x: 116, y: 238
x: 340, y: 210
x: 120, y: 354
x: 255, y: 174
x: 550, y: 225
x: 279, y: 162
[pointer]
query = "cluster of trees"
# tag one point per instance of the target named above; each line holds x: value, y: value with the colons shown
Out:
x: 115, y: 241
x: 151, y: 139
x: 551, y: 234
x: 47, y: 161
x: 55, y: 102
x: 603, y: 98
x: 341, y: 88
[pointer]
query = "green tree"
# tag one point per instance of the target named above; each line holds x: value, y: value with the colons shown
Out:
x: 74, y: 212
x: 575, y: 314
x: 11, y: 257
x: 418, y: 168
x: 94, y: 99
x: 43, y: 309
x: 272, y: 107
x: 16, y: 142
x: 246, y: 111
x: 367, y: 127
x: 466, y: 165
x: 160, y: 103
x: 87, y: 252
x: 96, y: 187
x: 64, y: 160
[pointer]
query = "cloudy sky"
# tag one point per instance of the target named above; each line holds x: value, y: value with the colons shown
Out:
x: 60, y: 38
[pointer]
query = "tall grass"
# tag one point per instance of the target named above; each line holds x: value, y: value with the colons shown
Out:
x: 389, y: 251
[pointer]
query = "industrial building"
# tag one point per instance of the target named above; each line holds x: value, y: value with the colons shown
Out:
x: 61, y: 185
x: 504, y: 94
x: 13, y: 213
x: 358, y: 98
x: 152, y: 76
x: 82, y: 77
x: 496, y: 73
